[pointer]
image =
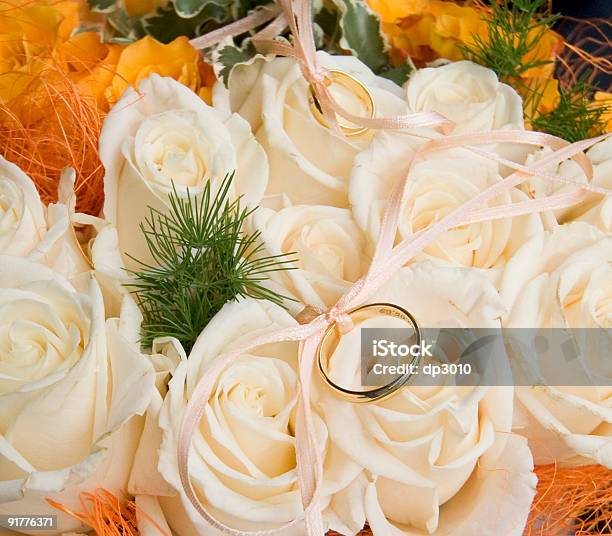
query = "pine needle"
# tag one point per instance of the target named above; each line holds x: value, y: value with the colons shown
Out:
x: 515, y: 31
x: 575, y: 118
x: 202, y: 260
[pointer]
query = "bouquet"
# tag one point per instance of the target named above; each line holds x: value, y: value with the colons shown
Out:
x: 213, y: 212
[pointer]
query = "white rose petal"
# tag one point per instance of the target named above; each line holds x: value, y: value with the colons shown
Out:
x: 22, y: 220
x: 433, y: 452
x: 308, y: 163
x: 435, y: 187
x: 560, y: 278
x: 330, y: 250
x: 600, y: 216
x: 71, y: 384
x: 563, y: 279
x: 468, y: 94
x: 243, y: 459
x: 592, y: 209
x: 165, y: 136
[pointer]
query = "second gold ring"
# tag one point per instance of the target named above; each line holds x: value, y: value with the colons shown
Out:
x: 330, y: 340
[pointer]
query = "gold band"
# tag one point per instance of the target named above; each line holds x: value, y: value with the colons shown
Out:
x: 358, y: 89
x: 330, y: 340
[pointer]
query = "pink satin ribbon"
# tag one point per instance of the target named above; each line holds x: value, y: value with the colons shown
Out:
x: 251, y: 21
x: 303, y: 49
x: 387, y: 259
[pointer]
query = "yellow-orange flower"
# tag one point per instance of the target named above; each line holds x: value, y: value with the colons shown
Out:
x: 56, y: 85
x: 428, y: 29
x: 178, y: 60
x: 137, y: 8
x: 90, y: 64
x: 30, y: 32
x: 603, y: 99
x: 548, y: 49
x: 455, y: 24
x: 394, y: 10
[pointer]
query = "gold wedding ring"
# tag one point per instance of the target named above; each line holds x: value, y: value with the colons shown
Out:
x: 331, y: 338
x: 358, y: 89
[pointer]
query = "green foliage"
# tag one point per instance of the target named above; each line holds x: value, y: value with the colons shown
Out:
x: 229, y: 56
x: 574, y: 118
x: 398, y: 74
x: 360, y: 28
x: 515, y: 30
x: 188, y: 8
x: 340, y: 26
x: 101, y: 6
x: 202, y: 259
x: 167, y: 24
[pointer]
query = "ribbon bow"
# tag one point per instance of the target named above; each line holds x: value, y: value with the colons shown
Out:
x: 387, y: 258
x: 303, y: 49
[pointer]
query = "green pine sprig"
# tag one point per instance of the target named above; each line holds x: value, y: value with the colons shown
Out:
x: 202, y: 258
x: 515, y: 30
x: 574, y: 118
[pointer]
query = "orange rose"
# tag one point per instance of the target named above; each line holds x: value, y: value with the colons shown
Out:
x: 30, y: 33
x: 394, y: 10
x: 428, y: 30
x: 549, y: 47
x: 454, y: 25
x: 542, y: 92
x: 178, y: 60
x: 90, y: 64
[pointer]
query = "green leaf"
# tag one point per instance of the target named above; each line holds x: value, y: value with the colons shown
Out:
x: 167, y: 25
x: 241, y: 8
x: 361, y: 33
x: 319, y: 36
x: 399, y: 75
x: 129, y: 29
x: 229, y: 56
x: 329, y: 21
x: 188, y: 8
x: 101, y: 6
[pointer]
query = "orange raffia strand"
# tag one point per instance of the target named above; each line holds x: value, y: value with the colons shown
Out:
x: 53, y: 127
x: 576, y: 60
x: 107, y: 515
x: 576, y: 499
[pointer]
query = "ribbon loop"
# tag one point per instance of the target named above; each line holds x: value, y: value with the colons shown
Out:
x: 388, y: 257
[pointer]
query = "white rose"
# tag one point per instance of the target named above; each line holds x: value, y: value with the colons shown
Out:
x: 164, y: 135
x: 563, y: 278
x: 243, y: 461
x: 600, y: 216
x: 308, y: 163
x: 600, y: 156
x: 42, y: 234
x: 436, y: 186
x: 560, y: 278
x: 437, y: 459
x: 22, y: 219
x: 468, y: 94
x: 329, y: 248
x: 71, y: 385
